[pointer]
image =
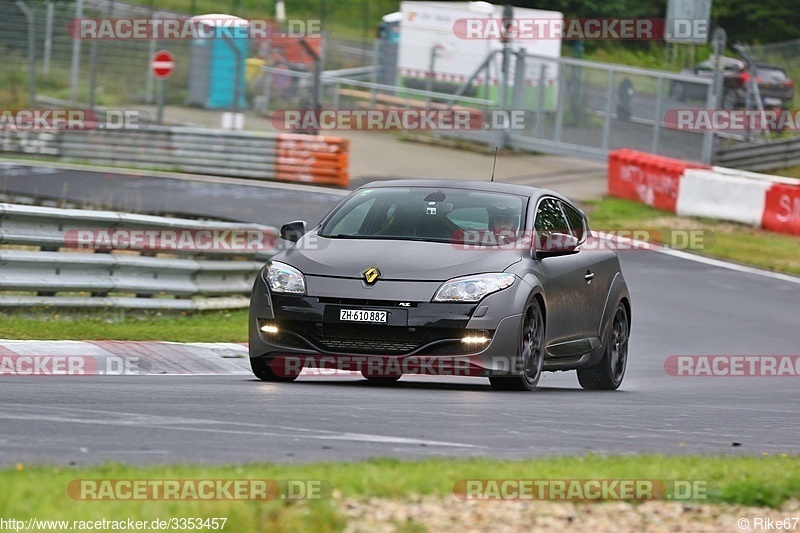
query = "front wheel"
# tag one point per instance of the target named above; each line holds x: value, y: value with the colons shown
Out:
x: 729, y: 100
x: 530, y: 354
x: 608, y: 373
x: 678, y: 91
x: 263, y: 371
x: 381, y: 380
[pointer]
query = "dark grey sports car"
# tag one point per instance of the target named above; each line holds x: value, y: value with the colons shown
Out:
x: 443, y: 277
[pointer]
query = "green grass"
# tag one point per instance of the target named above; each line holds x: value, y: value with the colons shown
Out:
x: 41, y: 491
x: 789, y: 172
x: 733, y: 242
x: 345, y: 18
x: 215, y: 326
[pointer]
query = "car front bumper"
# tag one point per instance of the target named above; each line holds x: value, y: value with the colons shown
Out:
x: 419, y: 336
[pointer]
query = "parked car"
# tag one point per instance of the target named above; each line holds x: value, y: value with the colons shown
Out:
x: 491, y: 275
x: 774, y: 85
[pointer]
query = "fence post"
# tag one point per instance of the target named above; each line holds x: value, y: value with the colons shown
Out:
x: 76, y: 56
x: 31, y: 52
x: 540, y: 94
x: 657, y: 115
x: 560, y: 103
x: 609, y: 108
x: 708, y: 136
x: 48, y: 36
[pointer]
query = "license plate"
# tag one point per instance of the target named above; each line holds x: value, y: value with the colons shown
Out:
x: 772, y: 101
x: 359, y: 315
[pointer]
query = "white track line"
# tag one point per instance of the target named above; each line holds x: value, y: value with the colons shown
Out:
x: 137, y: 420
x: 710, y: 261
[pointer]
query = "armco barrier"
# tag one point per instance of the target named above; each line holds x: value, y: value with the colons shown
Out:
x: 759, y: 200
x: 647, y: 178
x: 266, y: 156
x: 68, y: 258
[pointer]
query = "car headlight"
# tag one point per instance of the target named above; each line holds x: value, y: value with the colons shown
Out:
x: 472, y: 288
x: 285, y: 278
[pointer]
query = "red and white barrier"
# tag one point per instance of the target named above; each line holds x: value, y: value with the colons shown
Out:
x: 760, y: 200
x: 705, y: 193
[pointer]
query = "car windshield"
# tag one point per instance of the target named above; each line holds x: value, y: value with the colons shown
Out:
x: 429, y: 214
x: 771, y: 74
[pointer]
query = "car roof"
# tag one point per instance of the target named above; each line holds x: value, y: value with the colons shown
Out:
x: 772, y: 66
x: 488, y: 186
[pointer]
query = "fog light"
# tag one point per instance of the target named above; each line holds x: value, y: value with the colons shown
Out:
x: 270, y: 329
x: 475, y: 339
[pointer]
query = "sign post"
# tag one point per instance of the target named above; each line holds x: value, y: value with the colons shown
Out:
x: 162, y: 65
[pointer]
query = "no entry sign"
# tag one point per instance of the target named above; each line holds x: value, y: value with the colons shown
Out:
x: 162, y: 64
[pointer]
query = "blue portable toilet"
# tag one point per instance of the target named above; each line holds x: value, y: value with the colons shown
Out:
x: 213, y: 75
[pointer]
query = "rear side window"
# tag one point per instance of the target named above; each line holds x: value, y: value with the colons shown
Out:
x: 577, y: 226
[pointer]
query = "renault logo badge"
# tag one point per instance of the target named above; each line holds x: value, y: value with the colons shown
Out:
x: 371, y: 275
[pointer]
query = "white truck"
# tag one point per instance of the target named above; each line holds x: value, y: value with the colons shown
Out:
x: 463, y: 35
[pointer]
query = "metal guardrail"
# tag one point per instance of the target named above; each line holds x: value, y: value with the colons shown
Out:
x: 265, y: 156
x: 59, y: 255
x: 779, y: 153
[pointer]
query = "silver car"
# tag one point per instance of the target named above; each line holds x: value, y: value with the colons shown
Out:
x: 444, y: 277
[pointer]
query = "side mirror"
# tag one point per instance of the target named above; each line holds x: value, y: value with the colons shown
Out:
x: 555, y: 244
x: 294, y: 230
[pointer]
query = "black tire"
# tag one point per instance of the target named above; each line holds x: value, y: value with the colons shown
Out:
x: 678, y: 91
x: 609, y: 372
x: 381, y: 380
x: 729, y: 100
x: 262, y: 370
x: 530, y: 355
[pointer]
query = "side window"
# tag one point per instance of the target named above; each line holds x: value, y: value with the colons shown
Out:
x: 550, y: 218
x: 577, y: 227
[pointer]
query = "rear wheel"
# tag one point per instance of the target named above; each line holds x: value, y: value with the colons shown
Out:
x: 381, y: 380
x: 530, y: 353
x: 263, y: 371
x: 728, y: 100
x: 608, y: 373
x: 678, y: 91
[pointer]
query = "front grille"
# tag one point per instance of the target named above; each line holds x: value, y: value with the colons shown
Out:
x: 375, y: 339
x: 366, y: 345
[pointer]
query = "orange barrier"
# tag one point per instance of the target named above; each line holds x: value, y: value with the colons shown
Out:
x: 313, y: 159
x: 782, y: 209
x: 650, y: 179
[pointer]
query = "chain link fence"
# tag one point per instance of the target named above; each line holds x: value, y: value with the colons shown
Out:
x: 110, y: 72
x: 577, y: 106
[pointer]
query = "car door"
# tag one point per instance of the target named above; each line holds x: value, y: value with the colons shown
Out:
x: 598, y: 268
x: 566, y: 293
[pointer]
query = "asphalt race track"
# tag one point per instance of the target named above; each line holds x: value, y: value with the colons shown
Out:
x: 250, y: 201
x: 680, y: 307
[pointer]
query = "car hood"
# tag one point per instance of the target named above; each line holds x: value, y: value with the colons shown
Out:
x: 397, y: 260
